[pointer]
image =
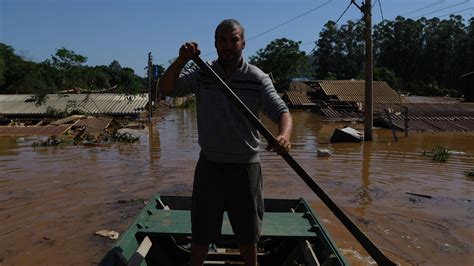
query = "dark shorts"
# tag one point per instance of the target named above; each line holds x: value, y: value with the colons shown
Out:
x: 235, y: 188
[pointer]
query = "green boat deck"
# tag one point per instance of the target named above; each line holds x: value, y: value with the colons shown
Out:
x: 275, y: 224
x: 161, y: 235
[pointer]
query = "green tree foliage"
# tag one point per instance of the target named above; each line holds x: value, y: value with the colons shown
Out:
x: 65, y: 59
x: 397, y: 45
x: 328, y: 55
x: 468, y: 46
x: 340, y: 51
x: 427, y: 54
x: 65, y: 71
x: 283, y: 58
x: 385, y: 74
x: 423, y: 57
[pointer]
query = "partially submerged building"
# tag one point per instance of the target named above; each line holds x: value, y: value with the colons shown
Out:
x: 436, y: 114
x: 339, y: 99
x: 85, y: 114
x: 345, y: 100
x: 111, y: 104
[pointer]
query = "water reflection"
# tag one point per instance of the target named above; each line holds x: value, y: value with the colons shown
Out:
x: 365, y: 199
x: 154, y: 145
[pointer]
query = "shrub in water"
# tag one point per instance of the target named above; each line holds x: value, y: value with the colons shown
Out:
x: 440, y: 153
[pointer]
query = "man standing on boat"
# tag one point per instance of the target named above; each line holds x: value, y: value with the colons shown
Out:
x: 228, y: 174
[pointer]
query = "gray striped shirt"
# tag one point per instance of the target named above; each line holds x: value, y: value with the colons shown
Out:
x: 225, y: 135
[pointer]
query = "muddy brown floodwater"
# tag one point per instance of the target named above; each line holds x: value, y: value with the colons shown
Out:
x: 52, y: 200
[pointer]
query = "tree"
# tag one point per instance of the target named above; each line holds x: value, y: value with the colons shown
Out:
x: 283, y: 58
x: 340, y: 51
x: 385, y: 74
x: 468, y: 46
x: 427, y: 55
x: 68, y: 66
x: 65, y: 70
x: 8, y: 59
x: 441, y: 55
x: 398, y: 45
x: 351, y: 37
x: 328, y: 54
x: 65, y: 59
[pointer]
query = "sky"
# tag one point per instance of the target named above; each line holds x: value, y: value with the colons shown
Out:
x: 127, y: 30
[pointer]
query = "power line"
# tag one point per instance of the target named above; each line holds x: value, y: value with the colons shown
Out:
x: 452, y: 13
x: 448, y: 7
x: 306, y: 43
x: 374, y: 3
x: 423, y: 8
x: 380, y: 6
x: 344, y: 12
x: 282, y: 24
x: 290, y: 20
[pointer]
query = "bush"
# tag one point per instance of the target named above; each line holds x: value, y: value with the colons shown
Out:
x: 439, y: 154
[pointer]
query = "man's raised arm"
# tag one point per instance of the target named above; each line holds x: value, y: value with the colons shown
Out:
x: 169, y: 79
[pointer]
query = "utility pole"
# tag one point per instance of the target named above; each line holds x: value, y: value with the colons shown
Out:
x: 156, y: 91
x: 150, y: 98
x: 368, y: 112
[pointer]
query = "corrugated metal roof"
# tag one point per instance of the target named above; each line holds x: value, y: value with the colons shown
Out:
x: 428, y: 99
x: 298, y: 99
x: 433, y: 125
x: 68, y: 120
x: 354, y: 90
x: 332, y: 113
x: 34, y: 130
x: 94, y: 126
x: 106, y: 103
x: 440, y: 117
x: 300, y: 86
x: 441, y: 110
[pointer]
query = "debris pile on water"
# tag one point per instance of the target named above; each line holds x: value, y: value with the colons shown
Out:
x: 50, y: 141
x: 470, y: 174
x: 79, y: 130
x: 125, y: 137
x: 110, y: 234
x: 439, y: 153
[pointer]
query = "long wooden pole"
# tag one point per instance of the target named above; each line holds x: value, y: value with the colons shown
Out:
x: 368, y: 245
x: 150, y: 97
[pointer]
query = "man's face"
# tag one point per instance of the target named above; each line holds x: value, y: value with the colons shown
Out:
x: 229, y: 45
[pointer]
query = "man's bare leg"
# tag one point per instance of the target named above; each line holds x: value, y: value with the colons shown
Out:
x: 249, y: 253
x: 198, y: 253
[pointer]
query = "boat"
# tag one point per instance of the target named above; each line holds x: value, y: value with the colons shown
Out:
x: 292, y: 234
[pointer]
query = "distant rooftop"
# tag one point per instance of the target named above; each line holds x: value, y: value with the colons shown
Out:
x: 426, y: 99
x: 106, y: 103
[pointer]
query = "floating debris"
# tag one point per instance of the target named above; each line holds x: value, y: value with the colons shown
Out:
x: 108, y: 234
x: 469, y: 174
x: 324, y: 153
x: 439, y: 154
x: 125, y: 137
x: 456, y: 152
x: 346, y: 134
x: 139, y: 199
x: 50, y: 141
x: 419, y: 195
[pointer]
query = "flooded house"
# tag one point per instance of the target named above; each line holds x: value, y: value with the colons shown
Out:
x: 91, y: 114
x: 343, y: 100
